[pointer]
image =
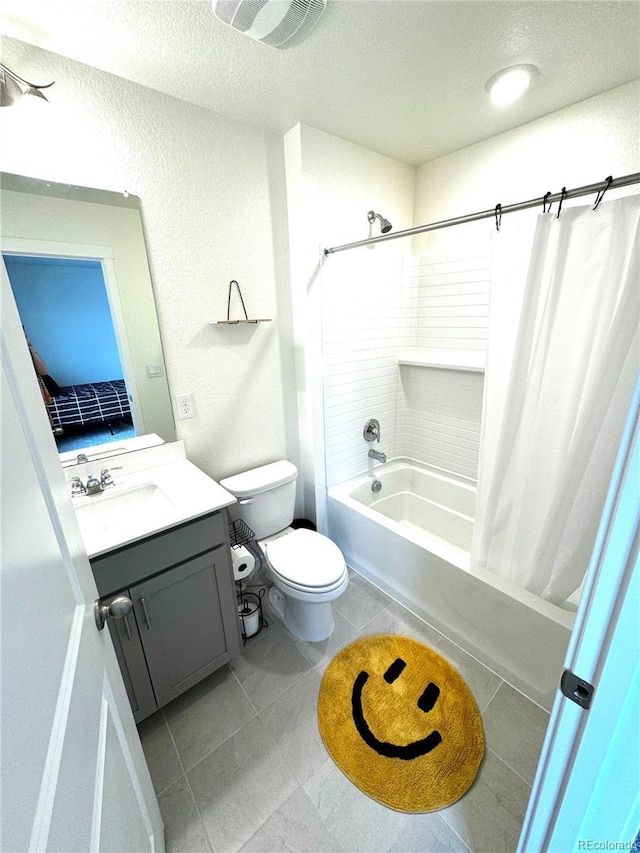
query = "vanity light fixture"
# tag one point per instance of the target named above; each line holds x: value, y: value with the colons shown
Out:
x: 13, y: 87
x: 508, y: 85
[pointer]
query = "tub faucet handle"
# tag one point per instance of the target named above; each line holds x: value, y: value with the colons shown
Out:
x: 371, y: 431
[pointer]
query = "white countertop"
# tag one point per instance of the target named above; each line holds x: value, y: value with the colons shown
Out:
x: 155, y: 489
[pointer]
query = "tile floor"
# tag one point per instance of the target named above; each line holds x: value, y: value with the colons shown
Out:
x: 238, y: 763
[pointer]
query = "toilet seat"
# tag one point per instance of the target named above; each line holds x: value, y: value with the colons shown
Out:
x: 305, y: 560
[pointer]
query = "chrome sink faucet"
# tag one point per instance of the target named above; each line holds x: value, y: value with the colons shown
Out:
x: 93, y: 485
x: 378, y: 455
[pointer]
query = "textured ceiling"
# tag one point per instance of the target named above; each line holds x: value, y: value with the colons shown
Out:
x: 402, y: 78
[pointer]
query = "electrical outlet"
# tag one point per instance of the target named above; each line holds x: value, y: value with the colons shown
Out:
x: 185, y: 406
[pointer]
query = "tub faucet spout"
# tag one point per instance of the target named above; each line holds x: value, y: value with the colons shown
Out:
x: 377, y: 454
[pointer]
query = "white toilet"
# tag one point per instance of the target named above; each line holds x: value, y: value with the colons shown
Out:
x: 308, y: 570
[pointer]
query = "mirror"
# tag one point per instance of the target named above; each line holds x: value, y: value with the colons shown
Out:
x: 62, y: 235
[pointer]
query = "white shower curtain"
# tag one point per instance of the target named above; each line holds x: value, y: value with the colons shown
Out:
x: 573, y: 363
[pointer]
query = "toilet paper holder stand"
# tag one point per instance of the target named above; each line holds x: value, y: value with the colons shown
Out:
x: 240, y: 533
x: 244, y: 557
x: 250, y: 612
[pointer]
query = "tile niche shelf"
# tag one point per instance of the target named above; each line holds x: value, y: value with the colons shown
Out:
x: 468, y: 361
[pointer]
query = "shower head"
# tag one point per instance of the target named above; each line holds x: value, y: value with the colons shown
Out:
x: 385, y: 225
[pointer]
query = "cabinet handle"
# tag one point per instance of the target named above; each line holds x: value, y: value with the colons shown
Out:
x: 145, y: 612
x: 127, y: 628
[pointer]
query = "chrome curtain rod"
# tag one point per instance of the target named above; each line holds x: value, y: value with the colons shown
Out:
x: 496, y: 211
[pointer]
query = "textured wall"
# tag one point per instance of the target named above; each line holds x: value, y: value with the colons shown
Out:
x: 346, y: 315
x: 213, y: 209
x: 435, y: 415
x: 572, y: 147
x: 579, y: 145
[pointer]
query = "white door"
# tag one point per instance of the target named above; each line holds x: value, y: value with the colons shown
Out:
x: 586, y: 795
x: 73, y: 772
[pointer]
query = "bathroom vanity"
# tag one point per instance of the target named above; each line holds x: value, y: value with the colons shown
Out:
x: 184, y: 622
x: 160, y: 539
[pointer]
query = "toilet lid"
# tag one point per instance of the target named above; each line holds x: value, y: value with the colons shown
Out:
x: 306, y: 558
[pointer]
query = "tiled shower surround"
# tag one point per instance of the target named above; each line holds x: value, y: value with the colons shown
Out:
x: 376, y: 316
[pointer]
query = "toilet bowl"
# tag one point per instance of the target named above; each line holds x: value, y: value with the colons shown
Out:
x: 307, y: 569
x: 308, y: 572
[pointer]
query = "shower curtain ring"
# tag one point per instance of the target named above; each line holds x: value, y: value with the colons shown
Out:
x: 600, y: 195
x: 544, y: 202
x: 498, y: 213
x: 562, y: 197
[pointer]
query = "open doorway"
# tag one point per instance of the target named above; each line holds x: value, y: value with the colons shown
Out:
x: 65, y: 312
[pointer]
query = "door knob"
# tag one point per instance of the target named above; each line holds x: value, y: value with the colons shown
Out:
x: 116, y: 609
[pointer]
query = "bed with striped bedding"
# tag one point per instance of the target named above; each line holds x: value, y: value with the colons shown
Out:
x: 90, y: 403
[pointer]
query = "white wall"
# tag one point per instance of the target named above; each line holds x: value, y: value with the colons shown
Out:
x: 431, y: 415
x: 579, y: 145
x: 346, y: 309
x: 213, y: 208
x: 445, y: 302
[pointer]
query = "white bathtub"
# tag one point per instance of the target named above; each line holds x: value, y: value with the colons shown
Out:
x: 413, y: 540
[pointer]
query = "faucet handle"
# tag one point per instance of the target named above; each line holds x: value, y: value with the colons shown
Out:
x: 106, y: 479
x: 371, y: 431
x: 77, y: 487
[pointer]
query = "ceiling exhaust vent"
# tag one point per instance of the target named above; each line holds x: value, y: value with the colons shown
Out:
x: 278, y: 23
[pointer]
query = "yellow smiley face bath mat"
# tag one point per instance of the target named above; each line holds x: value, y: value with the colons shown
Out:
x: 400, y: 722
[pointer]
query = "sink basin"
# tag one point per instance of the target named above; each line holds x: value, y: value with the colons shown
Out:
x: 123, y: 512
x: 156, y: 489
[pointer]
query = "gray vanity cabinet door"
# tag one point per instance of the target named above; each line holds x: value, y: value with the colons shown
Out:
x: 128, y: 649
x: 181, y: 626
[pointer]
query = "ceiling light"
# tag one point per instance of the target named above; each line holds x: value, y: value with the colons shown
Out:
x: 12, y: 87
x: 507, y: 85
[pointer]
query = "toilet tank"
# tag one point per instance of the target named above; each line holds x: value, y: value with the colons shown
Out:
x: 266, y: 497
